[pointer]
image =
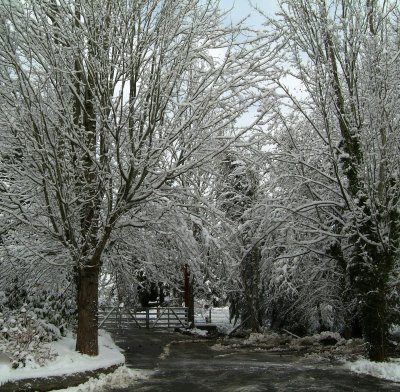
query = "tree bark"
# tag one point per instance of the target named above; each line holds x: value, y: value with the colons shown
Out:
x: 189, y: 295
x: 251, y: 281
x: 376, y: 325
x: 87, y: 301
x: 371, y: 283
x: 370, y: 270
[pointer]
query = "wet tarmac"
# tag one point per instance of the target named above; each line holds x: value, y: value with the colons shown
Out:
x: 186, y: 364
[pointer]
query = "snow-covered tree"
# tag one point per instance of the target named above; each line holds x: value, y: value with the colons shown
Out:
x: 300, y: 210
x: 238, y: 192
x: 109, y: 101
x: 343, y: 55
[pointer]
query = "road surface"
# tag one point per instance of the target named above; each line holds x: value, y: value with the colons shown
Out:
x: 185, y: 364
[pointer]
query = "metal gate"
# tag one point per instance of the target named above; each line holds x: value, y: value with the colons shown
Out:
x: 117, y: 317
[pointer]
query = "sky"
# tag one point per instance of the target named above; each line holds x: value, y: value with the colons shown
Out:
x: 242, y: 8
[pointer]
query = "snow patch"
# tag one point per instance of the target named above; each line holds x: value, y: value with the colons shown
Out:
x: 385, y: 370
x: 267, y: 340
x: 166, y: 351
x: 67, y: 360
x: 197, y: 332
x: 123, y: 377
x: 327, y: 338
x: 218, y: 347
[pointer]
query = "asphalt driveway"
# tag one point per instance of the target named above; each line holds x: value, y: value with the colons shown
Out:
x: 186, y: 364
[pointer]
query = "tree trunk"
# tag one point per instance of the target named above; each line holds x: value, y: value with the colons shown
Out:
x: 251, y: 281
x: 87, y: 302
x: 370, y: 271
x: 376, y: 325
x: 189, y: 296
x: 375, y: 307
x: 352, y: 324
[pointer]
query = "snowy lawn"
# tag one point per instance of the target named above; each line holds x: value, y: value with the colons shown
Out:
x: 68, y: 361
x: 385, y: 370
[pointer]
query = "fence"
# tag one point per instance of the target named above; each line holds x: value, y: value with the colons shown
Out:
x: 116, y: 317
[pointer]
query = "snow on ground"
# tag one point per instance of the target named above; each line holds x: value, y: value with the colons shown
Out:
x: 219, y: 317
x: 197, y: 332
x: 340, y: 350
x: 123, y: 377
x: 386, y: 370
x: 67, y: 360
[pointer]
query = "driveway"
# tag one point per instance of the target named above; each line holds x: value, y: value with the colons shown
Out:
x: 186, y: 364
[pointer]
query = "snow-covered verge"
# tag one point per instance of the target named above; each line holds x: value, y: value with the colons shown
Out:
x: 385, y: 370
x: 65, y: 360
x: 329, y: 343
x: 321, y: 347
x: 25, y: 331
x: 326, y: 346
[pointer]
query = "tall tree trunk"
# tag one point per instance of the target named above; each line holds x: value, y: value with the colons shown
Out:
x: 87, y: 301
x: 370, y: 271
x: 251, y: 282
x: 352, y: 327
x: 369, y: 268
x: 376, y: 324
x: 189, y: 295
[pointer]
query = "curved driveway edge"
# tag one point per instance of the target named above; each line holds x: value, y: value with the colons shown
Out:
x: 55, y: 382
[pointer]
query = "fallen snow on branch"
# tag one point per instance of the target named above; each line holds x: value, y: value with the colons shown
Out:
x: 66, y: 361
x: 386, y: 370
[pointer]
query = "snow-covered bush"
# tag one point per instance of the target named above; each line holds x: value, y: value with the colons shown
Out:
x: 3, y: 300
x: 51, y: 306
x: 15, y: 294
x: 22, y: 336
x: 57, y: 310
x: 303, y: 295
x: 44, y: 316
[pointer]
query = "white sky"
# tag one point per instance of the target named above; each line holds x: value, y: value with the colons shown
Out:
x: 242, y: 8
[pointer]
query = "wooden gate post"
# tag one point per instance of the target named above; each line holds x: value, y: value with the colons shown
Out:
x: 147, y: 318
